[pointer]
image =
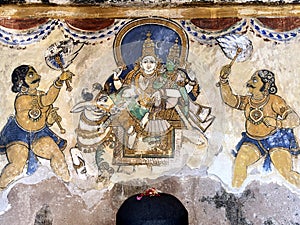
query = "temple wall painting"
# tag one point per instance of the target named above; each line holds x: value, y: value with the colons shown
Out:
x: 95, y: 103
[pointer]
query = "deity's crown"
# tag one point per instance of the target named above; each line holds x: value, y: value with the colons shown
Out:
x: 148, y: 46
x: 174, y: 52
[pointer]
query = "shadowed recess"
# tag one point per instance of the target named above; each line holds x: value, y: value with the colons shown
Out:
x: 89, y: 24
x: 22, y: 24
x: 281, y: 24
x: 215, y: 24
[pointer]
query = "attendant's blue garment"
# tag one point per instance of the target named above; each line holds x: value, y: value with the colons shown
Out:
x: 12, y: 132
x: 282, y: 138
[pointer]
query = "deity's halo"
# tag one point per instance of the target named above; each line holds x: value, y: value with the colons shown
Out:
x: 165, y: 33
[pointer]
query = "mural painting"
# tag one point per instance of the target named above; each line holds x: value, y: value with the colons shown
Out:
x: 26, y: 134
x: 141, y: 103
x: 148, y: 101
x: 140, y: 116
x: 269, y: 120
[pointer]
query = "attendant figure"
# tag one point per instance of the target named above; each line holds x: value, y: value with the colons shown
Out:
x: 269, y: 123
x: 27, y: 133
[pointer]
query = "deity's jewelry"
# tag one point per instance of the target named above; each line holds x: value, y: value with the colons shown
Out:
x: 256, y: 115
x: 116, y: 79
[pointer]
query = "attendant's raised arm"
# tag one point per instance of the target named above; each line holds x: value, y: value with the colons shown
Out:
x: 53, y: 92
x: 226, y: 92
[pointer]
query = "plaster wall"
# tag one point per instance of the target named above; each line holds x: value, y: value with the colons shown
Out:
x: 201, y: 177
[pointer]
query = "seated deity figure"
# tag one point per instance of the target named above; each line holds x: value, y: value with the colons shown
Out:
x: 157, y: 96
x: 173, y: 82
x: 181, y: 92
x: 142, y: 99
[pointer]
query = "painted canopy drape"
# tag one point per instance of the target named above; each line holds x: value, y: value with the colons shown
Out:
x: 23, y: 32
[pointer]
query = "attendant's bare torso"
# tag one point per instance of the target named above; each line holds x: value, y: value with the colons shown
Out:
x: 30, y: 115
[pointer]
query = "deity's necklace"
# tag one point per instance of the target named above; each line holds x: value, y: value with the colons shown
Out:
x: 145, y: 80
x: 256, y: 114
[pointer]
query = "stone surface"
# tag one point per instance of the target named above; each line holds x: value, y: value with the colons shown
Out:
x: 93, y: 2
x: 205, y: 199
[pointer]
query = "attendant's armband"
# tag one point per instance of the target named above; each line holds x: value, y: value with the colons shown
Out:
x: 58, y: 83
x: 241, y: 102
x: 238, y: 102
x: 287, y: 111
x: 224, y: 80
